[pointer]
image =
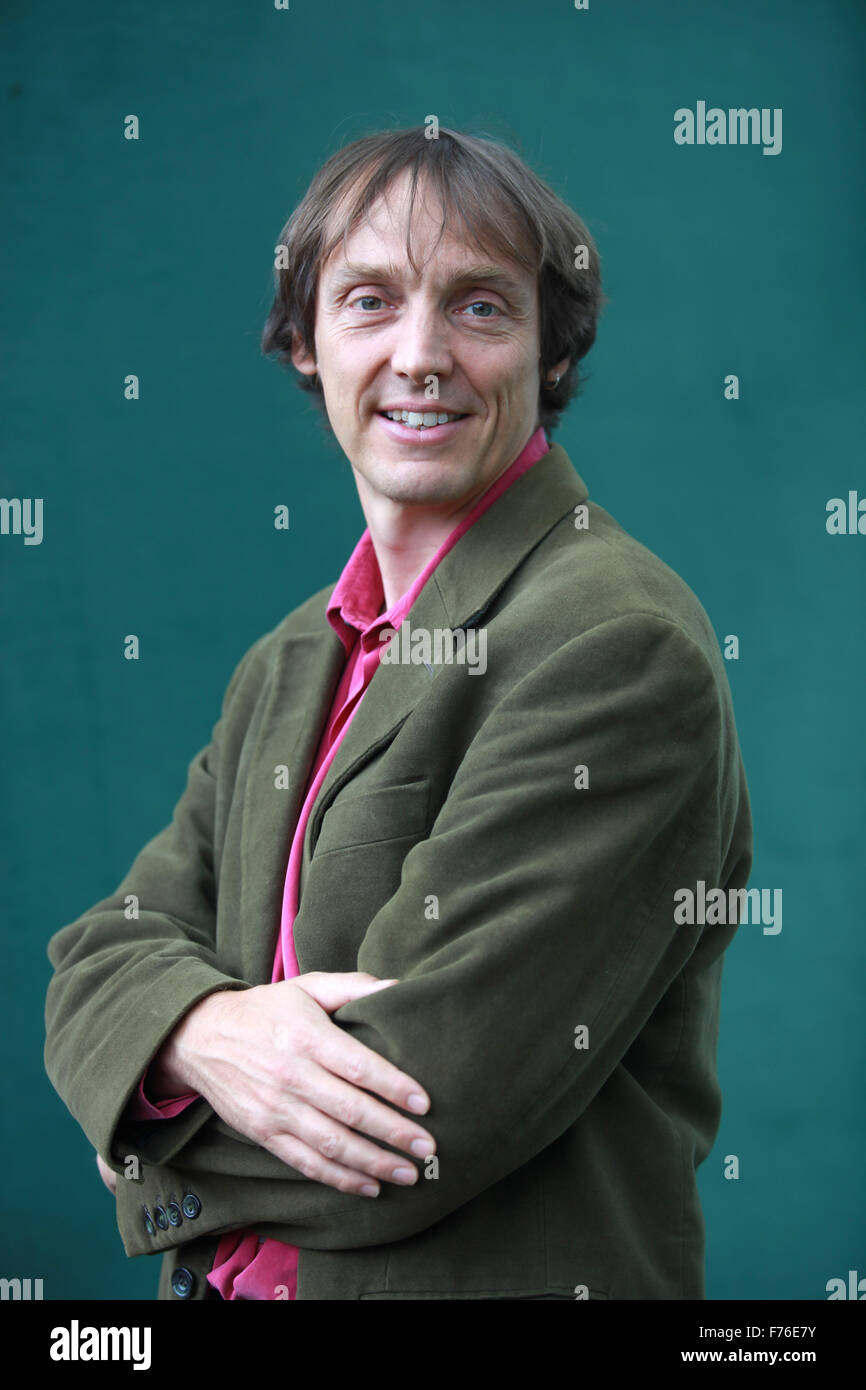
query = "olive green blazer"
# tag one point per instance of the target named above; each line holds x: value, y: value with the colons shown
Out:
x: 563, y: 1024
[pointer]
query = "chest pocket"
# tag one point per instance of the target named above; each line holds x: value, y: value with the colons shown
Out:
x: 380, y: 813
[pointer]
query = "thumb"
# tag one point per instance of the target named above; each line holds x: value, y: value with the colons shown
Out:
x: 332, y: 989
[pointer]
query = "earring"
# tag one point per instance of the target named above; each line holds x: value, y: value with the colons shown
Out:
x: 553, y: 384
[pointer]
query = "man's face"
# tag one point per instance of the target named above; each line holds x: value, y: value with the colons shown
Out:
x: 468, y: 321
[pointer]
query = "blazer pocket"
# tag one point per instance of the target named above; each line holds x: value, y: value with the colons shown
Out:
x: 383, y: 813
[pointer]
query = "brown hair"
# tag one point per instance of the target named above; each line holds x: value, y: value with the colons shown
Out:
x: 500, y: 204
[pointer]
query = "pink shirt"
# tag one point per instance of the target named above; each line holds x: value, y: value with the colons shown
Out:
x: 247, y: 1266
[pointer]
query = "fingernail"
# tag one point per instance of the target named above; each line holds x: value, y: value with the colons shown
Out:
x: 417, y: 1103
x: 422, y: 1147
x: 404, y: 1175
x: 370, y: 1191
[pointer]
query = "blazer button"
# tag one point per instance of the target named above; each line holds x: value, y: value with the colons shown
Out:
x: 172, y: 1211
x: 148, y: 1223
x: 191, y: 1206
x: 182, y: 1282
x: 160, y: 1218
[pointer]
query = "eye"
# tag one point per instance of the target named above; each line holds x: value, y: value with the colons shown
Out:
x: 368, y: 299
x: 483, y: 304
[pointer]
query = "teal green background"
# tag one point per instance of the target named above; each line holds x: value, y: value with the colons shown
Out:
x: 155, y: 257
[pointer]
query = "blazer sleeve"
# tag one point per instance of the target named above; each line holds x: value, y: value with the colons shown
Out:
x: 129, y: 968
x: 534, y: 908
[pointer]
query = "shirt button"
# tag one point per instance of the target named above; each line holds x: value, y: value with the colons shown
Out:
x: 191, y: 1206
x: 148, y: 1223
x: 172, y: 1211
x: 160, y: 1218
x: 182, y: 1282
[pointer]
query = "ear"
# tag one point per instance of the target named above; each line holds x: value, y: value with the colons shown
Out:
x: 302, y: 357
x: 559, y: 370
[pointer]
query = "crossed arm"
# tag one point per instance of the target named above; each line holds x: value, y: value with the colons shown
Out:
x: 554, y: 912
x: 274, y: 1067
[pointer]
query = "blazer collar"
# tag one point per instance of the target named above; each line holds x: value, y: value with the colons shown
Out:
x: 470, y: 576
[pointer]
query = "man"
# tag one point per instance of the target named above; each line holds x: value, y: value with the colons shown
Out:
x: 397, y: 1006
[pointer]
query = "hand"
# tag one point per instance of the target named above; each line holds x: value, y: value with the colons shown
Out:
x: 108, y: 1175
x: 273, y: 1066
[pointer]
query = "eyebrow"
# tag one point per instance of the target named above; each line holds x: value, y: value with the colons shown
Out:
x: 484, y: 273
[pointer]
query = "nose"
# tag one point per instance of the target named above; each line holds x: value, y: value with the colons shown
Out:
x: 421, y: 348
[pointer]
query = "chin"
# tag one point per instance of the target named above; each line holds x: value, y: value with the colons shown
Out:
x: 421, y: 480
x: 421, y: 492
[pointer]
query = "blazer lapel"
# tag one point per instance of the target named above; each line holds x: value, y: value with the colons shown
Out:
x: 456, y: 595
x: 392, y: 694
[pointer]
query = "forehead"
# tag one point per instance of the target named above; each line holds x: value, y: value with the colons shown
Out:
x: 415, y: 238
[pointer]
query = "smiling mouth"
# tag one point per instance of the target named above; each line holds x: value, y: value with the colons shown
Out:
x: 421, y: 420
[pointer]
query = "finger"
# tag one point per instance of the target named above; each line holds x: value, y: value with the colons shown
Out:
x: 357, y: 1113
x: 326, y: 1043
x: 109, y: 1177
x: 326, y: 1151
x: 292, y: 1150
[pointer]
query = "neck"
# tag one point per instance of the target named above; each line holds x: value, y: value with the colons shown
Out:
x: 405, y: 538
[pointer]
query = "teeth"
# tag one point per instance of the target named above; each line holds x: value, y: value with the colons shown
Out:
x: 418, y: 420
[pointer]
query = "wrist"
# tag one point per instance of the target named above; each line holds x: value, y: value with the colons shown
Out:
x: 165, y: 1079
x: 172, y: 1070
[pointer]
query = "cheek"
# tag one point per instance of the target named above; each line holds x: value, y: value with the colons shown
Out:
x: 522, y: 389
